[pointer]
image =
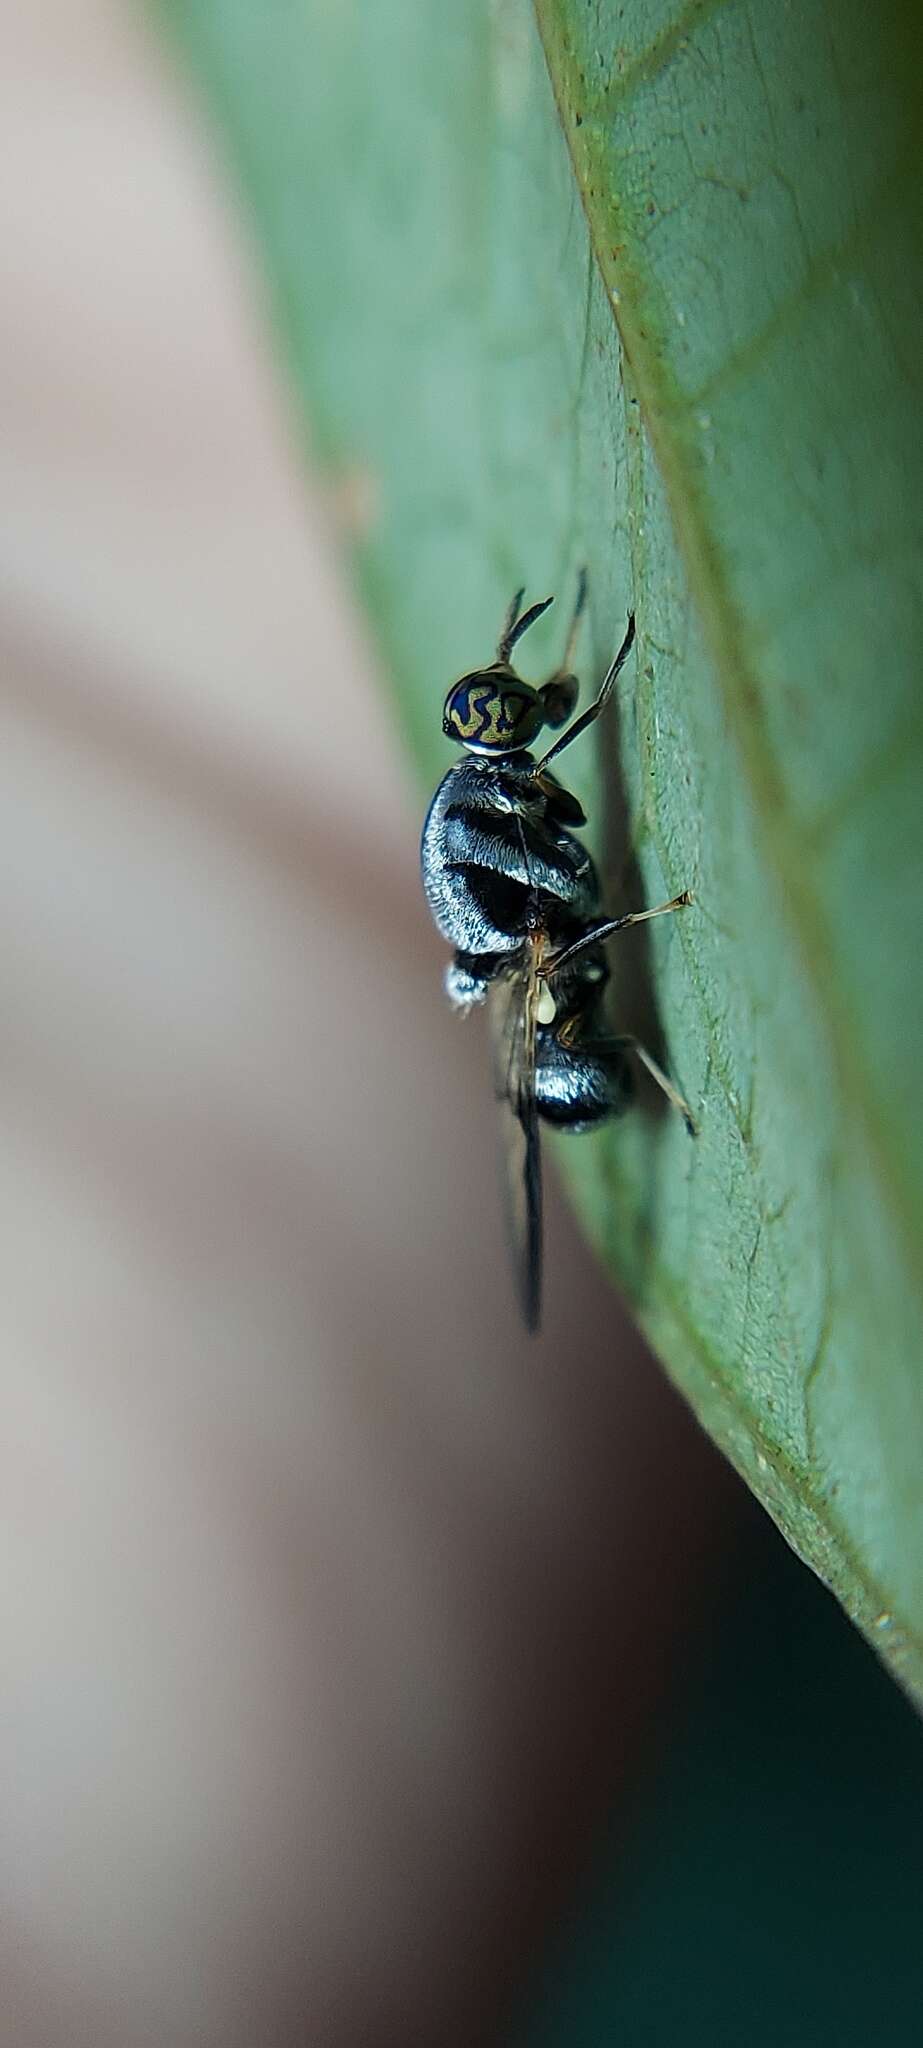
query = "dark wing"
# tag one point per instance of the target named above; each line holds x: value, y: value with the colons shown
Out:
x: 512, y: 1008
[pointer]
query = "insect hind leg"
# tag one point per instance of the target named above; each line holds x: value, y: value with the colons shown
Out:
x: 663, y: 1081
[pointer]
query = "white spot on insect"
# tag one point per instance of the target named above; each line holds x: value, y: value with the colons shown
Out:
x: 546, y: 1008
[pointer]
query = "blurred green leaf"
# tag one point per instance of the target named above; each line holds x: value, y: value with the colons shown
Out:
x: 712, y: 399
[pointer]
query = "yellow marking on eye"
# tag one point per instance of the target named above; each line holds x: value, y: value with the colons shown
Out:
x: 471, y: 727
x: 491, y: 716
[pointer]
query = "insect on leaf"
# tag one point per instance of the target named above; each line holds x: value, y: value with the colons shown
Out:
x: 639, y: 285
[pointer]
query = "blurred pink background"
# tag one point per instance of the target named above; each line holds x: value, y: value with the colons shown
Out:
x: 332, y: 1609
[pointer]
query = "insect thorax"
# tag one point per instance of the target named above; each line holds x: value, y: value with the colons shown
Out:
x: 495, y: 851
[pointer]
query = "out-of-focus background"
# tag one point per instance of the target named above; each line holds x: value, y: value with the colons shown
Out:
x: 341, y: 1626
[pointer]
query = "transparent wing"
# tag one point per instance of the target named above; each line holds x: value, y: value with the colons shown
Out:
x: 512, y: 1011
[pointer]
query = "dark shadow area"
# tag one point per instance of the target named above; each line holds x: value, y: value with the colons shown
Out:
x: 770, y: 1887
x: 631, y: 997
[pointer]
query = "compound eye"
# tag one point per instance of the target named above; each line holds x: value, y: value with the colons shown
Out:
x: 493, y: 712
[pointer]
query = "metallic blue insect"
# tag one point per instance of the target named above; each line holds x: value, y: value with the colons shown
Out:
x: 516, y: 894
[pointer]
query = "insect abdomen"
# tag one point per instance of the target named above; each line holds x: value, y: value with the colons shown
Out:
x: 579, y: 1086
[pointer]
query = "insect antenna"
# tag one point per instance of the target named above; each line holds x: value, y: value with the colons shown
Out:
x: 559, y: 694
x: 576, y: 616
x: 514, y: 627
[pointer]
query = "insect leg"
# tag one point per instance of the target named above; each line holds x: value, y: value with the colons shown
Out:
x: 594, y: 936
x: 596, y: 933
x: 657, y: 1074
x: 599, y: 702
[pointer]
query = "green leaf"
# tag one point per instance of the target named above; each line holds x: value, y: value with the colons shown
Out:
x: 655, y: 305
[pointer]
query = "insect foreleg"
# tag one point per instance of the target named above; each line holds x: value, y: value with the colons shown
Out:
x: 599, y: 703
